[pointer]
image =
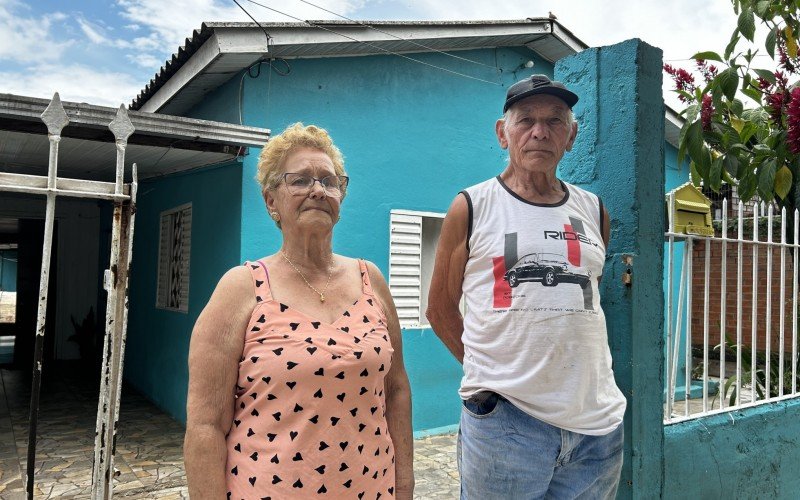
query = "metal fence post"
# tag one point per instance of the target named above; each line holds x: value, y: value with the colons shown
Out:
x: 56, y: 119
x: 116, y: 284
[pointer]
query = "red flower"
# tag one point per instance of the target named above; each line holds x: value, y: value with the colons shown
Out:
x: 793, y: 121
x: 775, y: 103
x: 683, y: 80
x: 706, y: 112
x: 708, y: 71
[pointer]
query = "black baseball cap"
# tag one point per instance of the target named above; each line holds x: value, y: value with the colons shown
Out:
x: 535, y: 85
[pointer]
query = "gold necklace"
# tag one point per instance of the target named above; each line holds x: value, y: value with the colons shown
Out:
x: 322, y: 293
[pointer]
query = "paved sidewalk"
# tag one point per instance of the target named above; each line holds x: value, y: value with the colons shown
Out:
x: 149, y: 445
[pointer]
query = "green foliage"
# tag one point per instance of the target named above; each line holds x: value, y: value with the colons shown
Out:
x: 740, y: 127
x: 755, y: 364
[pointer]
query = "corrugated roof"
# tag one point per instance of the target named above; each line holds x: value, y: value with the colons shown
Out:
x: 298, y: 40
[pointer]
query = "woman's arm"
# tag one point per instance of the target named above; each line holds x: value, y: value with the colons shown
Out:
x: 214, y: 352
x: 398, y: 394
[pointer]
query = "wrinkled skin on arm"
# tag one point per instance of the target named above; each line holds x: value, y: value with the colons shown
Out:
x: 448, y: 275
x: 214, y: 353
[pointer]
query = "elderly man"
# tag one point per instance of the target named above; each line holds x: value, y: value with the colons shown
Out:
x: 542, y: 415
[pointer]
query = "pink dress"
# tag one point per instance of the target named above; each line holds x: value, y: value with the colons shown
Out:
x: 310, y: 411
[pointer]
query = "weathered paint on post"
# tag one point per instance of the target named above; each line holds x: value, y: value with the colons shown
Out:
x: 624, y: 138
x: 56, y: 119
x: 116, y: 284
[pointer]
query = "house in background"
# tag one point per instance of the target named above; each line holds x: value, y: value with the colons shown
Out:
x: 412, y: 105
x: 161, y: 145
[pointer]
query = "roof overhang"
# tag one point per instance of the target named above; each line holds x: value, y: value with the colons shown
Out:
x: 160, y: 145
x: 219, y: 51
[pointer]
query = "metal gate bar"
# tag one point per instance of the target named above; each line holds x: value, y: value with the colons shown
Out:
x: 56, y: 119
x: 116, y: 283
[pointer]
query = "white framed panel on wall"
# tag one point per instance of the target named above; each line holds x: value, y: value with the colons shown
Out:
x: 413, y: 237
x: 174, y: 256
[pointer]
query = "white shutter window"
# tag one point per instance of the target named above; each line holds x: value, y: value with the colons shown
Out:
x: 174, y: 252
x: 412, y: 250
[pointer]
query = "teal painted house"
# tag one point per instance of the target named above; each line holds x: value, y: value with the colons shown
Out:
x: 412, y: 105
x: 415, y: 121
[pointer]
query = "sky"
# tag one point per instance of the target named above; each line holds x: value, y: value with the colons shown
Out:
x: 105, y: 51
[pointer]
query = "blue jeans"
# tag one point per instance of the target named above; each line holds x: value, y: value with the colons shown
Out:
x: 504, y: 453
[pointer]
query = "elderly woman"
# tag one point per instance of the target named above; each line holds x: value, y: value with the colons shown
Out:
x: 296, y: 381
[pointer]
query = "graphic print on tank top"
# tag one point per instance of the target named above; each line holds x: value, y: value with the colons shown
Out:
x: 547, y: 265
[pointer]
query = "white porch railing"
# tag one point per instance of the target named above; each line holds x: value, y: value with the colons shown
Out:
x: 744, y: 349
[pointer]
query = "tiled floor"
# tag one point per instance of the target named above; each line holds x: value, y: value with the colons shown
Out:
x: 149, y: 454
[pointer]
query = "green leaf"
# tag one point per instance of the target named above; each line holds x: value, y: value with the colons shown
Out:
x: 696, y: 178
x: 732, y: 44
x: 691, y: 113
x: 744, y: 167
x: 694, y: 140
x: 715, y: 174
x: 689, y: 97
x: 703, y: 162
x: 709, y: 55
x: 736, y: 107
x: 747, y: 23
x: 766, y: 179
x: 731, y: 164
x: 747, y: 187
x: 769, y: 43
x: 752, y: 94
x: 761, y: 8
x: 728, y: 82
x: 747, y: 132
x: 766, y: 75
x: 783, y: 181
x: 724, y: 135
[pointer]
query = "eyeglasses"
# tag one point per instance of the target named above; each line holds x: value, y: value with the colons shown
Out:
x: 333, y: 185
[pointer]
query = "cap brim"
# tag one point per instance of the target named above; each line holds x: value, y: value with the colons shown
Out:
x: 565, y: 95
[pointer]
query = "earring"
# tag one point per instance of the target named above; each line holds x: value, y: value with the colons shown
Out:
x: 275, y: 216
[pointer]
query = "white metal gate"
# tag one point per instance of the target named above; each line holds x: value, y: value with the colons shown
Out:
x: 115, y: 281
x: 750, y: 310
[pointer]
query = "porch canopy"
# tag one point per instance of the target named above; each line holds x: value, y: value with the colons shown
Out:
x: 161, y: 144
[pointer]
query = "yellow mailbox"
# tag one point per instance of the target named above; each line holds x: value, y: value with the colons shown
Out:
x: 692, y: 211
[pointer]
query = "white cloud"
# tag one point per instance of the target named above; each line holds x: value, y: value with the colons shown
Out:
x: 145, y: 61
x: 172, y: 22
x: 25, y: 37
x: 73, y: 82
x: 92, y: 32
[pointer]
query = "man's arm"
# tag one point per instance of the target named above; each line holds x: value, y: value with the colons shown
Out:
x: 448, y: 275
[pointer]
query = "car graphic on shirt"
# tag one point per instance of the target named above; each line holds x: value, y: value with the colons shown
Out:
x: 548, y: 268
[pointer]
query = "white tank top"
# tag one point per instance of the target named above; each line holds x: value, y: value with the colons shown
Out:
x: 534, y: 331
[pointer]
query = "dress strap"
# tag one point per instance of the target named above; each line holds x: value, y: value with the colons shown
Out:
x: 366, y: 285
x: 260, y: 276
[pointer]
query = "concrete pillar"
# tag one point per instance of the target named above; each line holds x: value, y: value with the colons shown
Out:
x: 619, y: 154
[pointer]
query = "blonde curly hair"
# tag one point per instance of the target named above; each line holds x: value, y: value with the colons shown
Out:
x: 270, y: 161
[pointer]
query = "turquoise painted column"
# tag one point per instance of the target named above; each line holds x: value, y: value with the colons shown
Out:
x: 619, y: 154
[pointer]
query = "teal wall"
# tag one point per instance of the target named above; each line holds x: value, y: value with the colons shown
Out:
x: 8, y: 270
x: 158, y: 340
x: 412, y: 137
x: 752, y: 453
x: 621, y: 157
